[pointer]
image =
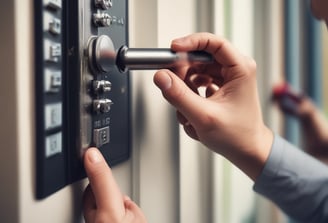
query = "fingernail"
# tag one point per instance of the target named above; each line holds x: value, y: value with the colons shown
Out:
x: 179, y: 40
x: 94, y: 156
x: 164, y: 81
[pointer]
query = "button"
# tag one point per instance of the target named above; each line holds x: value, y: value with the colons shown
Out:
x: 53, y: 51
x: 51, y: 24
x: 53, y: 81
x: 53, y: 144
x: 101, y: 136
x: 55, y: 26
x: 53, y: 4
x: 101, y: 86
x: 102, y: 105
x: 53, y: 116
x: 104, y: 4
x: 102, y: 19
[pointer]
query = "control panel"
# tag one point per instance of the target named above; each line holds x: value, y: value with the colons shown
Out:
x: 77, y: 106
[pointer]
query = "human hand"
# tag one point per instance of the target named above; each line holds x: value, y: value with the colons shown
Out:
x: 314, y: 125
x: 228, y: 119
x: 103, y: 200
x: 290, y: 101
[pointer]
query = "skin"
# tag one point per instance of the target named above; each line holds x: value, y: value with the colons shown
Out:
x: 313, y: 123
x: 103, y: 200
x: 231, y: 124
x: 319, y: 9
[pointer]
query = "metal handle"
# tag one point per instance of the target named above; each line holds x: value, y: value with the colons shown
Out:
x: 103, y: 57
x: 157, y: 58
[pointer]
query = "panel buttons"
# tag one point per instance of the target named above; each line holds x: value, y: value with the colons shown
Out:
x: 102, y: 105
x: 52, y: 81
x: 52, y: 24
x: 102, y: 19
x: 53, y: 116
x: 53, y: 144
x: 101, y: 136
x: 53, y: 51
x: 54, y: 4
x: 101, y: 86
x: 104, y: 4
x: 55, y: 26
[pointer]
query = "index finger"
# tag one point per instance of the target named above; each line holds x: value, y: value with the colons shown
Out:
x: 221, y: 49
x: 105, y: 189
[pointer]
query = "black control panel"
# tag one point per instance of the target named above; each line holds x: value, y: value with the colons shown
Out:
x: 76, y: 106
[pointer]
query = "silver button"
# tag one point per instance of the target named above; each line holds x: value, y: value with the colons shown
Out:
x: 53, y: 115
x: 101, y: 86
x: 53, y: 144
x: 101, y: 136
x: 102, y: 105
x: 104, y: 4
x: 102, y: 19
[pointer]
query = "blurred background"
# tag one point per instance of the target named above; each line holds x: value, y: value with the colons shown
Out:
x: 172, y: 178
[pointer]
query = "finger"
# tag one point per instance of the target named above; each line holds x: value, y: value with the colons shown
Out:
x: 89, y: 201
x: 89, y: 205
x: 182, y: 120
x: 134, y: 213
x: 105, y: 189
x: 180, y: 95
x: 191, y: 132
x: 211, y: 89
x: 220, y: 48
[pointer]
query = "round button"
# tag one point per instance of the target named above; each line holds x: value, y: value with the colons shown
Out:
x: 104, y: 4
x: 102, y: 19
x: 102, y: 54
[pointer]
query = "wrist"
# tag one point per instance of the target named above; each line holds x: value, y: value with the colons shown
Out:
x: 252, y: 158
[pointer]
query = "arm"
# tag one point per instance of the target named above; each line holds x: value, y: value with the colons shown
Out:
x: 296, y: 182
x: 228, y: 120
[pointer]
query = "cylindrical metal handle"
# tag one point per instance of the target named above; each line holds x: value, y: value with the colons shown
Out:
x: 103, y: 57
x: 157, y: 58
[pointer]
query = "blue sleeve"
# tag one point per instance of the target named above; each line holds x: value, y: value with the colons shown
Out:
x: 296, y: 182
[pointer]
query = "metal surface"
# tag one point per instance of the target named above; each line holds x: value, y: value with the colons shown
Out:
x: 104, y: 4
x: 103, y: 57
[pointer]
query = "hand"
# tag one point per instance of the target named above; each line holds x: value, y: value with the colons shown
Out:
x: 314, y: 125
x: 103, y: 200
x: 228, y: 119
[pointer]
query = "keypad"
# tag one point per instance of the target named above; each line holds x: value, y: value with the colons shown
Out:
x: 52, y: 76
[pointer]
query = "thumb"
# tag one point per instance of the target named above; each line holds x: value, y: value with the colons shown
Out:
x: 177, y: 93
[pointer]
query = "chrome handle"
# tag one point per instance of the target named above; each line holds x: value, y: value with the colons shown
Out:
x: 103, y: 57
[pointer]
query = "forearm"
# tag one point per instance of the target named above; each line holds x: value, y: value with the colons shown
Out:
x: 296, y: 182
x: 252, y: 160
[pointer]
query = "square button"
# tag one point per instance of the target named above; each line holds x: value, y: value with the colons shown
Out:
x: 53, y: 144
x: 53, y: 116
x: 53, y: 51
x: 52, y: 81
x: 101, y: 136
x: 55, y: 26
x: 51, y: 23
